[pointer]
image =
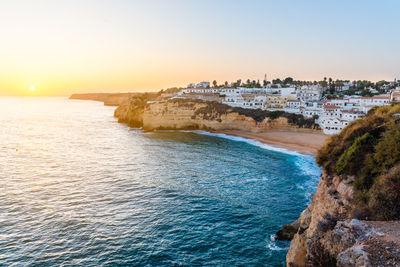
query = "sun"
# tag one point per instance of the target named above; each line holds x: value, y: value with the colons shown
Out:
x: 32, y: 88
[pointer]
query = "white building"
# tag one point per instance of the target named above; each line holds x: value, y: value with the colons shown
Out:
x: 358, y: 102
x: 309, y: 93
x: 293, y: 106
x: 333, y: 114
x: 283, y: 91
x: 194, y: 91
x: 199, y: 85
x: 311, y: 110
x: 395, y: 95
x: 333, y: 118
x: 203, y: 85
x: 344, y: 87
x: 379, y: 100
x: 252, y: 101
x: 333, y: 126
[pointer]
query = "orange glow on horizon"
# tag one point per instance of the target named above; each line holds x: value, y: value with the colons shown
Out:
x: 133, y: 46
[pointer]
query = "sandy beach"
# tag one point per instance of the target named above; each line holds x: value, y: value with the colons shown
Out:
x: 302, y: 142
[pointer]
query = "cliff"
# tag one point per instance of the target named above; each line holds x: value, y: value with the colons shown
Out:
x: 353, y: 217
x: 109, y: 99
x: 195, y: 114
x: 328, y: 234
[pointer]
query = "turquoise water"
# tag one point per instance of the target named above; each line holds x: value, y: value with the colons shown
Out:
x: 77, y: 188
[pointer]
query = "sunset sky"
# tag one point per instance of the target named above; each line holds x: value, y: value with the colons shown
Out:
x: 64, y: 47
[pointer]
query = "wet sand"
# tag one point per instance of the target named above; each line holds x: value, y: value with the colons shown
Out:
x: 302, y: 142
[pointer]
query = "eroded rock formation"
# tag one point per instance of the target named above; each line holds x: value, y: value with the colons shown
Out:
x: 327, y: 235
x: 194, y: 115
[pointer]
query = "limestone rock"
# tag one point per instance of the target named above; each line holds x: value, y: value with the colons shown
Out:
x: 288, y: 231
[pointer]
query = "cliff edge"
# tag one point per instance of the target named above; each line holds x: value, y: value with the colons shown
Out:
x: 181, y: 114
x: 353, y: 217
x: 109, y: 99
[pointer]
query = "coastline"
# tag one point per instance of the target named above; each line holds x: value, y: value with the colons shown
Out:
x: 301, y: 142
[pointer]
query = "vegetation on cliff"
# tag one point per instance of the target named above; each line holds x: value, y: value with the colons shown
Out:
x: 213, y: 110
x: 369, y: 150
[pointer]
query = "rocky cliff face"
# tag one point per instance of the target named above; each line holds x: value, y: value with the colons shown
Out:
x: 360, y: 183
x: 193, y: 115
x: 328, y: 236
x: 330, y: 204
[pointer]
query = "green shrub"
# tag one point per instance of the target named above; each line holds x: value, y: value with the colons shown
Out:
x: 388, y: 149
x: 213, y: 111
x: 385, y: 196
x: 353, y: 155
x: 369, y: 149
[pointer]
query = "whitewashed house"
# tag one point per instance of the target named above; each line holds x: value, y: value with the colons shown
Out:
x: 395, y: 95
x: 343, y: 87
x: 283, y: 91
x: 309, y: 93
x: 312, y: 110
x: 203, y: 85
x: 333, y: 118
x: 293, y: 106
x: 333, y: 125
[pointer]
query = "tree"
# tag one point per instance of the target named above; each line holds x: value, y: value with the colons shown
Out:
x: 226, y: 83
x: 331, y: 86
x: 237, y: 83
x: 265, y: 83
x: 215, y: 83
x: 276, y: 81
x: 288, y: 80
x: 324, y: 82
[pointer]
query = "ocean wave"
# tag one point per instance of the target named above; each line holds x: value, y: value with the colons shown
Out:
x: 251, y: 142
x: 308, y: 168
x: 272, y: 244
x: 233, y: 138
x: 305, y: 163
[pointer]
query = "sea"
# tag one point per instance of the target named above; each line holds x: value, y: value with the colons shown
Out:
x: 77, y: 188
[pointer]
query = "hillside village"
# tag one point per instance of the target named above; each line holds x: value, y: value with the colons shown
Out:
x: 333, y: 104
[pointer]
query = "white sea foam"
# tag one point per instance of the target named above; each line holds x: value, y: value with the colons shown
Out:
x: 139, y: 131
x: 305, y: 163
x: 272, y: 244
x: 251, y: 142
x: 236, y: 138
x: 308, y: 167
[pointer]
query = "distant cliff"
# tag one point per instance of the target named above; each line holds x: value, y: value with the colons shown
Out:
x: 195, y: 114
x: 109, y: 99
x: 360, y: 183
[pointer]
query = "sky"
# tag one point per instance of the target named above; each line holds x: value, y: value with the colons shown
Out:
x: 64, y: 47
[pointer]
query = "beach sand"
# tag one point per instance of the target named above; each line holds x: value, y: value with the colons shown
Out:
x: 302, y: 142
